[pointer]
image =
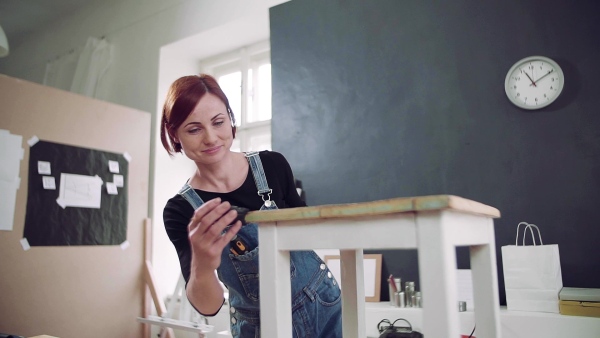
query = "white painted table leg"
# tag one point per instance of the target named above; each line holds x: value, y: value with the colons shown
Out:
x: 485, y: 286
x: 353, y: 294
x: 437, y: 275
x: 275, y: 285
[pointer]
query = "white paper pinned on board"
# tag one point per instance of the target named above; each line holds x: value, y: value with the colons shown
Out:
x: 113, y: 167
x: 127, y: 156
x: 44, y: 168
x: 49, y: 182
x: 124, y: 245
x: 111, y: 188
x: 118, y: 180
x: 33, y: 140
x: 8, y: 197
x: 25, y: 244
x: 80, y: 191
x: 11, y: 154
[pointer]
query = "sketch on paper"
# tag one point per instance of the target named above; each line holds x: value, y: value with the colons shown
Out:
x: 80, y: 191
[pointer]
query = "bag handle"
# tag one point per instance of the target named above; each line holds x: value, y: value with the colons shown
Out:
x: 407, y: 322
x: 381, y: 328
x: 528, y: 226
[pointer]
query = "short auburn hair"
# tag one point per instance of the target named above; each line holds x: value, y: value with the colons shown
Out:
x: 182, y: 98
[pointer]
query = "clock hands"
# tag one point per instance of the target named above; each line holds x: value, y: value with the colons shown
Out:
x: 543, y: 76
x: 530, y: 79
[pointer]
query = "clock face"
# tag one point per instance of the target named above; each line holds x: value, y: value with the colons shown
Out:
x: 534, y: 82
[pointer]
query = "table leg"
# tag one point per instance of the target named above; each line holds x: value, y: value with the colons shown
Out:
x: 437, y: 274
x: 353, y: 293
x: 485, y: 286
x: 275, y: 285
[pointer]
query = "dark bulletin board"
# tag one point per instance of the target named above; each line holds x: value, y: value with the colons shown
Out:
x: 49, y: 224
x: 386, y: 98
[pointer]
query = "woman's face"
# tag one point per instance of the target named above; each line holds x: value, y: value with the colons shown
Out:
x: 206, y: 134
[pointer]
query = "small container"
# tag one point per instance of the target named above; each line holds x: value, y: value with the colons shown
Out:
x: 397, y: 300
x: 398, y: 283
x: 418, y: 299
x: 401, y: 299
x: 409, y: 290
x: 462, y: 306
x: 393, y: 298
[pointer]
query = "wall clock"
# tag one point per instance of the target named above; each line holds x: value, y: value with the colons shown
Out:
x: 534, y: 82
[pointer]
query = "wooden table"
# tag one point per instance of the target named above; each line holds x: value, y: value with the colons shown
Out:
x: 434, y: 225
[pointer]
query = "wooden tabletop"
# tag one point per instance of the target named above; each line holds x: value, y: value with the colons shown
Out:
x: 381, y: 207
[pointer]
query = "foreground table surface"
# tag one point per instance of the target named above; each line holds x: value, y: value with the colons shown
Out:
x: 434, y: 225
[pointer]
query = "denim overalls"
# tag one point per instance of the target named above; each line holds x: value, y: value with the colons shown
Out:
x: 316, y: 301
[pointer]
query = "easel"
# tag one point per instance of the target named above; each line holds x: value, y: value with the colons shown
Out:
x: 188, y: 319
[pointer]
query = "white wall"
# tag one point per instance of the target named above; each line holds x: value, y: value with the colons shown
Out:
x: 155, y: 42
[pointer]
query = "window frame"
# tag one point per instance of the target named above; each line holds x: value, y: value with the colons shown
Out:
x: 244, y: 59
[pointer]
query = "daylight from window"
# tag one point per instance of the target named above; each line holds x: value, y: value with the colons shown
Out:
x: 245, y: 77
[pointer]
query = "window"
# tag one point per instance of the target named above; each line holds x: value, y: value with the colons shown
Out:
x: 245, y: 77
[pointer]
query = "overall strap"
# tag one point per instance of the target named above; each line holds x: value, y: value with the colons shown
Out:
x: 260, y: 180
x: 191, y: 196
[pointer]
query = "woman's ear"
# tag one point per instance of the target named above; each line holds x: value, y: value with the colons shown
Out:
x: 173, y: 137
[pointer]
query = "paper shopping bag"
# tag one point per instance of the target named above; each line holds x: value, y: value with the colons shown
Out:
x: 532, y: 274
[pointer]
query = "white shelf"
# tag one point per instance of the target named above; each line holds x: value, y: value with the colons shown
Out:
x: 514, y: 324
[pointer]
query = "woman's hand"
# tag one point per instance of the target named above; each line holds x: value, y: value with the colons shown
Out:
x: 206, y: 236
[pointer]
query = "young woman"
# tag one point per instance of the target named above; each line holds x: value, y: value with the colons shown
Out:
x: 198, y: 122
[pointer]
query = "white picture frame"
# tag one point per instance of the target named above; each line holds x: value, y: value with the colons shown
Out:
x: 372, y: 274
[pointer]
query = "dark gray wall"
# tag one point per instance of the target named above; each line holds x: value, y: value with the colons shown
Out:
x: 388, y: 98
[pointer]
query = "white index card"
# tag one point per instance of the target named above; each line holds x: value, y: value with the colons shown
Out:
x: 118, y: 180
x: 111, y: 188
x: 49, y: 182
x: 25, y: 244
x: 113, y: 166
x: 124, y: 245
x: 44, y: 168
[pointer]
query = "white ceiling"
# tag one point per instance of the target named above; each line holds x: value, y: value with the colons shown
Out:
x: 19, y: 18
